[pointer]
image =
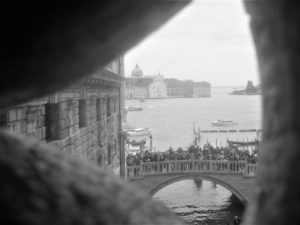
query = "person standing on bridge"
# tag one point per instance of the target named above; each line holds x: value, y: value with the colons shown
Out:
x: 236, y: 221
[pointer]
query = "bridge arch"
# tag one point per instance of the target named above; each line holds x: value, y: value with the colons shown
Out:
x: 175, y: 179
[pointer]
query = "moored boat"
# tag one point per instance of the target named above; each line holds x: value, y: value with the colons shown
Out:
x: 133, y: 149
x: 136, y: 140
x: 139, y: 132
x: 224, y: 123
x: 134, y: 108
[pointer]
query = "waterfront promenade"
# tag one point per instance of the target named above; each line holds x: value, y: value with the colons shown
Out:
x: 236, y: 176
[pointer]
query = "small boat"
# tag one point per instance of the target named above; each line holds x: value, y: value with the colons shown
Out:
x: 139, y: 132
x: 137, y: 139
x: 224, y: 123
x: 136, y: 143
x: 134, y: 108
x: 142, y: 99
x: 133, y: 150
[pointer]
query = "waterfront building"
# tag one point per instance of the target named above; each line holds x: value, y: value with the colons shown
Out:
x: 139, y: 86
x: 136, y: 92
x: 201, y: 89
x: 83, y: 120
x: 175, y: 88
x: 187, y: 88
x: 158, y: 88
x: 144, y: 86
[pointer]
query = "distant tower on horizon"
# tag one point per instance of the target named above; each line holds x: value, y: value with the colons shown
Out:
x: 137, y: 72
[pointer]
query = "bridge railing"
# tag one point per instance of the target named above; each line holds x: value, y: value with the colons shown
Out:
x: 186, y: 166
x: 134, y: 171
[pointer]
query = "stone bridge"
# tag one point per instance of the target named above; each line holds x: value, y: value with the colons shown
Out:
x: 236, y: 176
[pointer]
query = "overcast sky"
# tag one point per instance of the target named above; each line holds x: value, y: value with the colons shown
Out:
x: 209, y: 41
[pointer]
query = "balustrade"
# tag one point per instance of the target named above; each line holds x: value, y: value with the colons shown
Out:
x: 187, y: 166
x: 134, y: 171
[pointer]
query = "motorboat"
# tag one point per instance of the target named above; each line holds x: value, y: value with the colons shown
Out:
x: 134, y: 108
x: 139, y: 132
x: 224, y: 123
x: 142, y: 99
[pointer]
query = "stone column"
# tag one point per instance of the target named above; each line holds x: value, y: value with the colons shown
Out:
x: 123, y: 167
x: 276, y: 31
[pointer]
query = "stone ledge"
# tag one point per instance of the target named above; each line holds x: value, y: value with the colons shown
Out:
x: 49, y: 187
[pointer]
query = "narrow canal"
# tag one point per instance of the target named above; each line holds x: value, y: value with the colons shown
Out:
x: 200, y: 202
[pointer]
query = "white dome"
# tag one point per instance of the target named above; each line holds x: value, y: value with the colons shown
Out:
x: 137, y: 72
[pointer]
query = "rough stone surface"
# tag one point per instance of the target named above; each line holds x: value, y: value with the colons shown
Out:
x: 86, y: 132
x: 275, y: 26
x: 43, y: 186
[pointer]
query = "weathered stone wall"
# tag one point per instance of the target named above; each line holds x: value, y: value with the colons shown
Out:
x: 56, y: 120
x: 28, y: 119
x: 59, y: 189
x: 91, y: 140
x: 276, y: 34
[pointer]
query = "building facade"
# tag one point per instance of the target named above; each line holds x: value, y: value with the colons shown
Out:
x: 201, y: 89
x: 136, y: 92
x: 83, y: 120
x: 140, y: 86
x: 175, y: 88
x: 158, y: 88
x: 187, y: 89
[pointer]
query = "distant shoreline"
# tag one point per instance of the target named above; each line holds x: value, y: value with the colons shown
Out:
x: 166, y: 98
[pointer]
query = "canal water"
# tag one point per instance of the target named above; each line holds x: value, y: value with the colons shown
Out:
x: 171, y: 122
x: 205, y: 203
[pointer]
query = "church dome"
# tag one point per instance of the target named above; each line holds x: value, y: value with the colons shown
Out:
x: 137, y: 72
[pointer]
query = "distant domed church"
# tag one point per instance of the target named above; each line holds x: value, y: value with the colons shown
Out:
x: 137, y: 72
x: 140, y: 86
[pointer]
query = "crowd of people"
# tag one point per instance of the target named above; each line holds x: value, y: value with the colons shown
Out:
x: 194, y: 152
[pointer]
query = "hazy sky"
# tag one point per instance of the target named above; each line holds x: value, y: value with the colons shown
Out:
x: 209, y: 41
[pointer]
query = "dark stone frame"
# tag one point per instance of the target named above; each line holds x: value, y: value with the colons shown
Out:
x: 41, y: 59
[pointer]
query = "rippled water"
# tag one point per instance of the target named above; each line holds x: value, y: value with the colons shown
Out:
x: 200, y: 204
x: 171, y: 121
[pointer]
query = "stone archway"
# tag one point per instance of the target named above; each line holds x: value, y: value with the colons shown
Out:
x: 219, y: 181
